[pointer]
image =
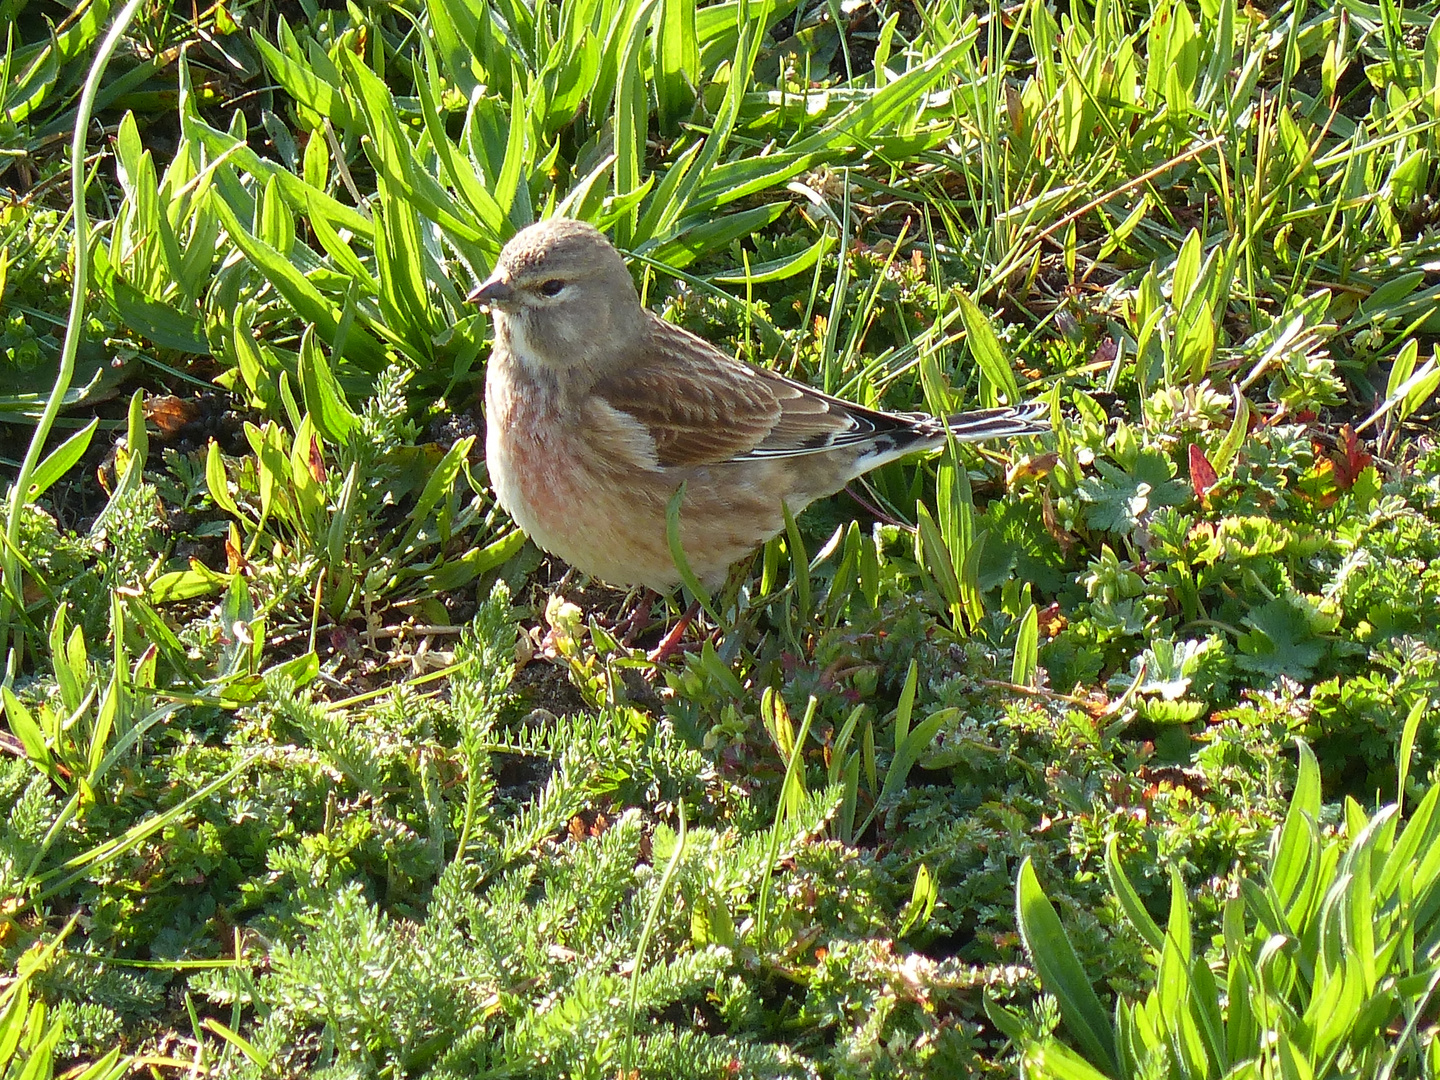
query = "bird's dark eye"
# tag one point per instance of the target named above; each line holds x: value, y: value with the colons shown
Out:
x: 552, y: 287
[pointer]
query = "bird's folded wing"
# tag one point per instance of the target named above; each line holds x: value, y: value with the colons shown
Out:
x: 700, y: 407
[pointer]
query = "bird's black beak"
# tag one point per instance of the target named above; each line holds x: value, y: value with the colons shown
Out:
x: 494, y: 293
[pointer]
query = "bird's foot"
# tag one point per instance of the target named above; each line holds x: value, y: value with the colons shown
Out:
x: 670, y: 643
x: 630, y: 626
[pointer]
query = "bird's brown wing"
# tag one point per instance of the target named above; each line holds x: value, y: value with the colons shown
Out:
x: 700, y: 407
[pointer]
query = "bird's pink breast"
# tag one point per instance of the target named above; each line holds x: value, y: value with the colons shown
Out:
x: 579, y: 486
x: 533, y: 463
x: 549, y: 476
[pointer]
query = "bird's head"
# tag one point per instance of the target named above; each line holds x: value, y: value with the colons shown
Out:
x: 562, y: 295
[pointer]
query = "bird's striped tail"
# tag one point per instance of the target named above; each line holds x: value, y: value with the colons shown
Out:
x: 978, y: 425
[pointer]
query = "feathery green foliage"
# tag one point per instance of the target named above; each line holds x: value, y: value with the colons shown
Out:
x: 312, y: 768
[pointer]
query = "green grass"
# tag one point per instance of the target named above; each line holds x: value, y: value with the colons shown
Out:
x: 311, y: 770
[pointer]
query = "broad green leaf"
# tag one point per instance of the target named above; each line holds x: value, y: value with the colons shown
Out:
x: 677, y: 60
x: 303, y: 84
x: 778, y: 269
x: 1282, y: 639
x: 932, y: 553
x: 1129, y: 899
x: 1061, y: 974
x: 157, y: 321
x: 693, y: 238
x: 60, y: 461
x: 1295, y: 846
x: 22, y: 723
x: 456, y: 573
x: 299, y: 293
x: 324, y: 400
x: 339, y: 249
x: 185, y: 585
x: 997, y: 378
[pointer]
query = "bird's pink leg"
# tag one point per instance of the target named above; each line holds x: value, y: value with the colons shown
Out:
x: 670, y: 644
x: 638, y: 618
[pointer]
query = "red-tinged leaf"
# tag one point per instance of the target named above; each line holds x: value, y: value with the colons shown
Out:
x: 1350, y: 461
x: 317, y: 461
x: 1202, y: 473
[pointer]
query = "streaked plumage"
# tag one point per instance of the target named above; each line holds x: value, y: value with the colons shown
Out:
x: 597, y: 411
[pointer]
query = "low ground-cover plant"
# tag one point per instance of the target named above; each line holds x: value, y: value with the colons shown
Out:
x: 331, y: 783
x: 1326, y: 965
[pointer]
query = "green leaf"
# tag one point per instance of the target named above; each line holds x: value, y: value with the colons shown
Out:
x: 1006, y: 1021
x: 677, y: 553
x: 455, y: 573
x: 157, y: 321
x: 934, y: 555
x: 137, y: 441
x: 1224, y: 454
x: 921, y: 905
x: 677, y: 60
x: 795, y: 764
x: 1129, y: 899
x: 915, y: 744
x: 1282, y: 640
x: 1407, y: 745
x: 695, y: 237
x: 216, y: 482
x: 841, y: 746
x: 437, y: 486
x: 337, y: 247
x: 631, y: 118
x: 778, y: 269
x: 69, y: 660
x: 302, y: 670
x: 302, y: 83
x: 324, y: 400
x: 299, y: 293
x: 1119, y: 499
x: 1296, y: 846
x: 60, y: 878
x: 997, y: 376
x: 906, y: 704
x: 1061, y: 974
x: 185, y: 585
x: 748, y: 175
x: 1027, y: 648
x: 60, y: 461
x: 23, y: 724
x: 1053, y: 1059
x: 39, y: 78
x: 1194, y: 343
x: 799, y: 565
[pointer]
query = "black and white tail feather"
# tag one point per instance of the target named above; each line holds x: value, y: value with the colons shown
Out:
x: 916, y: 432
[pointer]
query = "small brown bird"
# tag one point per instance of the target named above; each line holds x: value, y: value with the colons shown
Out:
x: 598, y: 410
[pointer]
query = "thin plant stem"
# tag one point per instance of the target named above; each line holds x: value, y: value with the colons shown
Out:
x: 80, y: 247
x: 651, y: 917
x: 796, y: 762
